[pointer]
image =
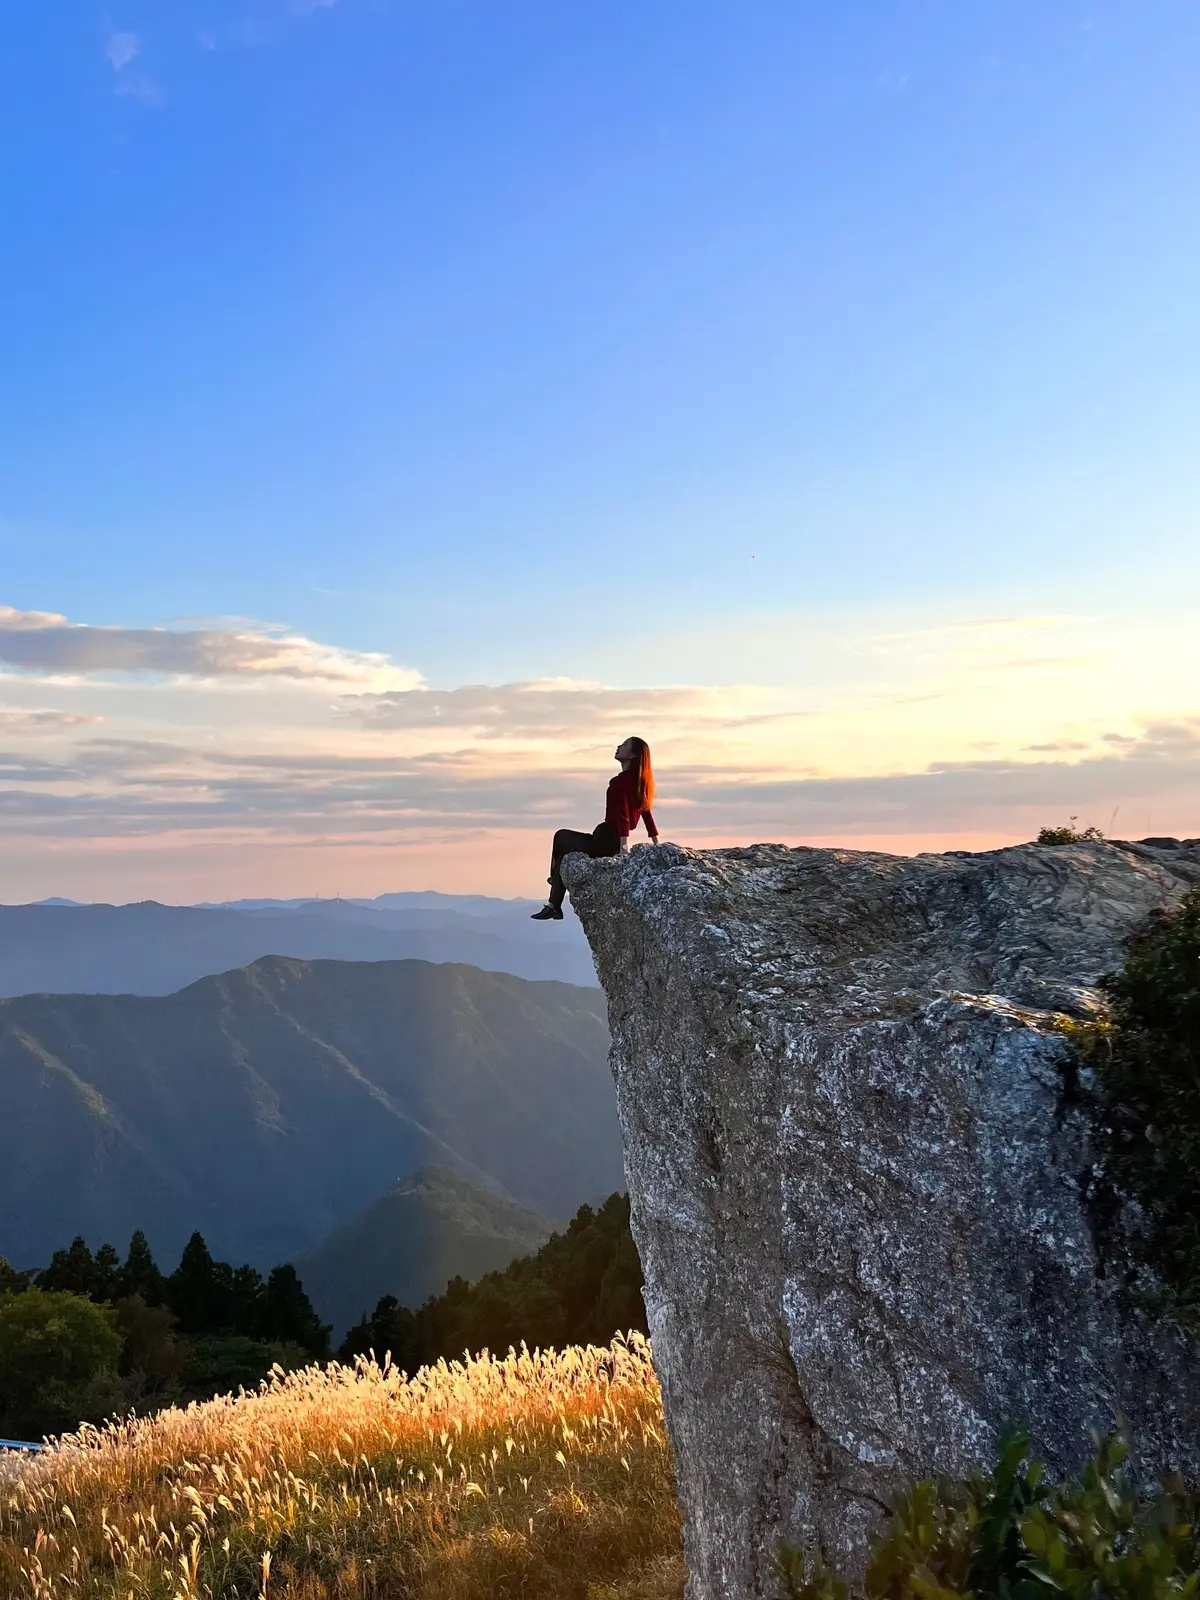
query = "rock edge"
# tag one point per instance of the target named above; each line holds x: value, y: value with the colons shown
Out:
x: 856, y: 1173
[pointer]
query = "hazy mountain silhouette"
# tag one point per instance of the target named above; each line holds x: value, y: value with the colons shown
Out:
x: 433, y: 1226
x: 152, y: 949
x: 269, y: 1105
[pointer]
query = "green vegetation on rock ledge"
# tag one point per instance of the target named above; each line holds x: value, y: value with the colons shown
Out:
x: 1069, y: 834
x: 1146, y: 1062
x: 1010, y: 1535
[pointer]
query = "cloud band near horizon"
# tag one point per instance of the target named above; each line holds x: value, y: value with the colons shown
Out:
x: 186, y: 742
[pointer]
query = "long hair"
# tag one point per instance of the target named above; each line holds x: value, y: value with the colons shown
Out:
x: 643, y: 774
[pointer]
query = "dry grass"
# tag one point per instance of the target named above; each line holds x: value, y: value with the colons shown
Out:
x: 543, y: 1475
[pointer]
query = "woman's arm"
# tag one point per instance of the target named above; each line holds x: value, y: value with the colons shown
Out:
x: 651, y: 827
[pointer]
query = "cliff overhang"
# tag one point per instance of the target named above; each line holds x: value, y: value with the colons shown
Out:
x: 857, y: 1179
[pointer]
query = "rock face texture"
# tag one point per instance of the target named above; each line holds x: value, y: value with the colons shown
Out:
x: 856, y: 1167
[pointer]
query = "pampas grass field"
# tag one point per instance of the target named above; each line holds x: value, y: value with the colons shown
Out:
x: 539, y: 1475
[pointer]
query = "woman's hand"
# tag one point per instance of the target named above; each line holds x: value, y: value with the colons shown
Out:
x: 624, y: 844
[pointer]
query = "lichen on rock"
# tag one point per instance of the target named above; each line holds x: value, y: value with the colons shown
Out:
x: 858, y: 1175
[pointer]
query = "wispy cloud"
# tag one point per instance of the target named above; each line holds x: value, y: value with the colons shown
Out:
x: 122, y: 48
x: 256, y: 32
x: 137, y: 86
x: 550, y: 709
x: 18, y: 719
x: 45, y: 642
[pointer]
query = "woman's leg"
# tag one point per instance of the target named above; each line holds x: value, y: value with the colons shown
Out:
x: 606, y: 841
x: 566, y: 840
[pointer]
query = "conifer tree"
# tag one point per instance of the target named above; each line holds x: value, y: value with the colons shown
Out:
x: 246, y: 1294
x: 194, y: 1291
x: 140, y: 1275
x: 71, y: 1271
x: 106, y: 1276
x: 391, y: 1330
x: 288, y: 1314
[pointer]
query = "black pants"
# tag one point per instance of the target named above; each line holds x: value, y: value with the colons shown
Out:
x: 604, y: 840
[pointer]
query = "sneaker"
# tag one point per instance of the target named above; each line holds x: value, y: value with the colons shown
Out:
x: 548, y: 913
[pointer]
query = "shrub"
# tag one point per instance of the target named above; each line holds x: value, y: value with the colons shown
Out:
x: 11, y: 1281
x: 58, y: 1362
x: 233, y: 1362
x: 1068, y: 834
x: 151, y: 1351
x: 1146, y: 1060
x: 1009, y: 1535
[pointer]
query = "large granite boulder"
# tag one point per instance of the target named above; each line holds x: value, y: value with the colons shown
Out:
x: 857, y: 1170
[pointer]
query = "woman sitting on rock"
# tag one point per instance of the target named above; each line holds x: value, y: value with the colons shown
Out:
x: 630, y: 796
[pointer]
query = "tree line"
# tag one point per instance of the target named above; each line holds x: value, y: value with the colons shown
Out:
x: 91, y: 1335
x: 582, y: 1287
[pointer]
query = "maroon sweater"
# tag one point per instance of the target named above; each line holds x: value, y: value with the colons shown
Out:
x: 622, y: 809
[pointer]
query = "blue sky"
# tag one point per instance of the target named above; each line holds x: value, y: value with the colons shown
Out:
x: 699, y: 346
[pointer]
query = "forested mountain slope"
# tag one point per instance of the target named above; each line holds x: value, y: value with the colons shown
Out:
x: 431, y: 1227
x: 268, y: 1105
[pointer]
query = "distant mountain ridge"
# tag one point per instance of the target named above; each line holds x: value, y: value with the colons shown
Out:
x: 153, y: 949
x: 432, y: 1226
x: 271, y: 1104
x: 468, y: 905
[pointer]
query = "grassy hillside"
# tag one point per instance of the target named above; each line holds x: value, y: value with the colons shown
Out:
x: 269, y: 1105
x: 546, y: 1476
x: 433, y: 1226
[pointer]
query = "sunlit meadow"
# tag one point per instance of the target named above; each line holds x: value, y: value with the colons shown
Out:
x: 544, y: 1474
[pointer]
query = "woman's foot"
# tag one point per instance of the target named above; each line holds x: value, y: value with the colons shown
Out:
x: 548, y: 913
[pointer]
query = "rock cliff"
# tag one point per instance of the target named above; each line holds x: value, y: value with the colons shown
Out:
x: 856, y: 1170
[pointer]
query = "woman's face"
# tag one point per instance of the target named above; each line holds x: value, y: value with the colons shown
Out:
x: 625, y: 752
